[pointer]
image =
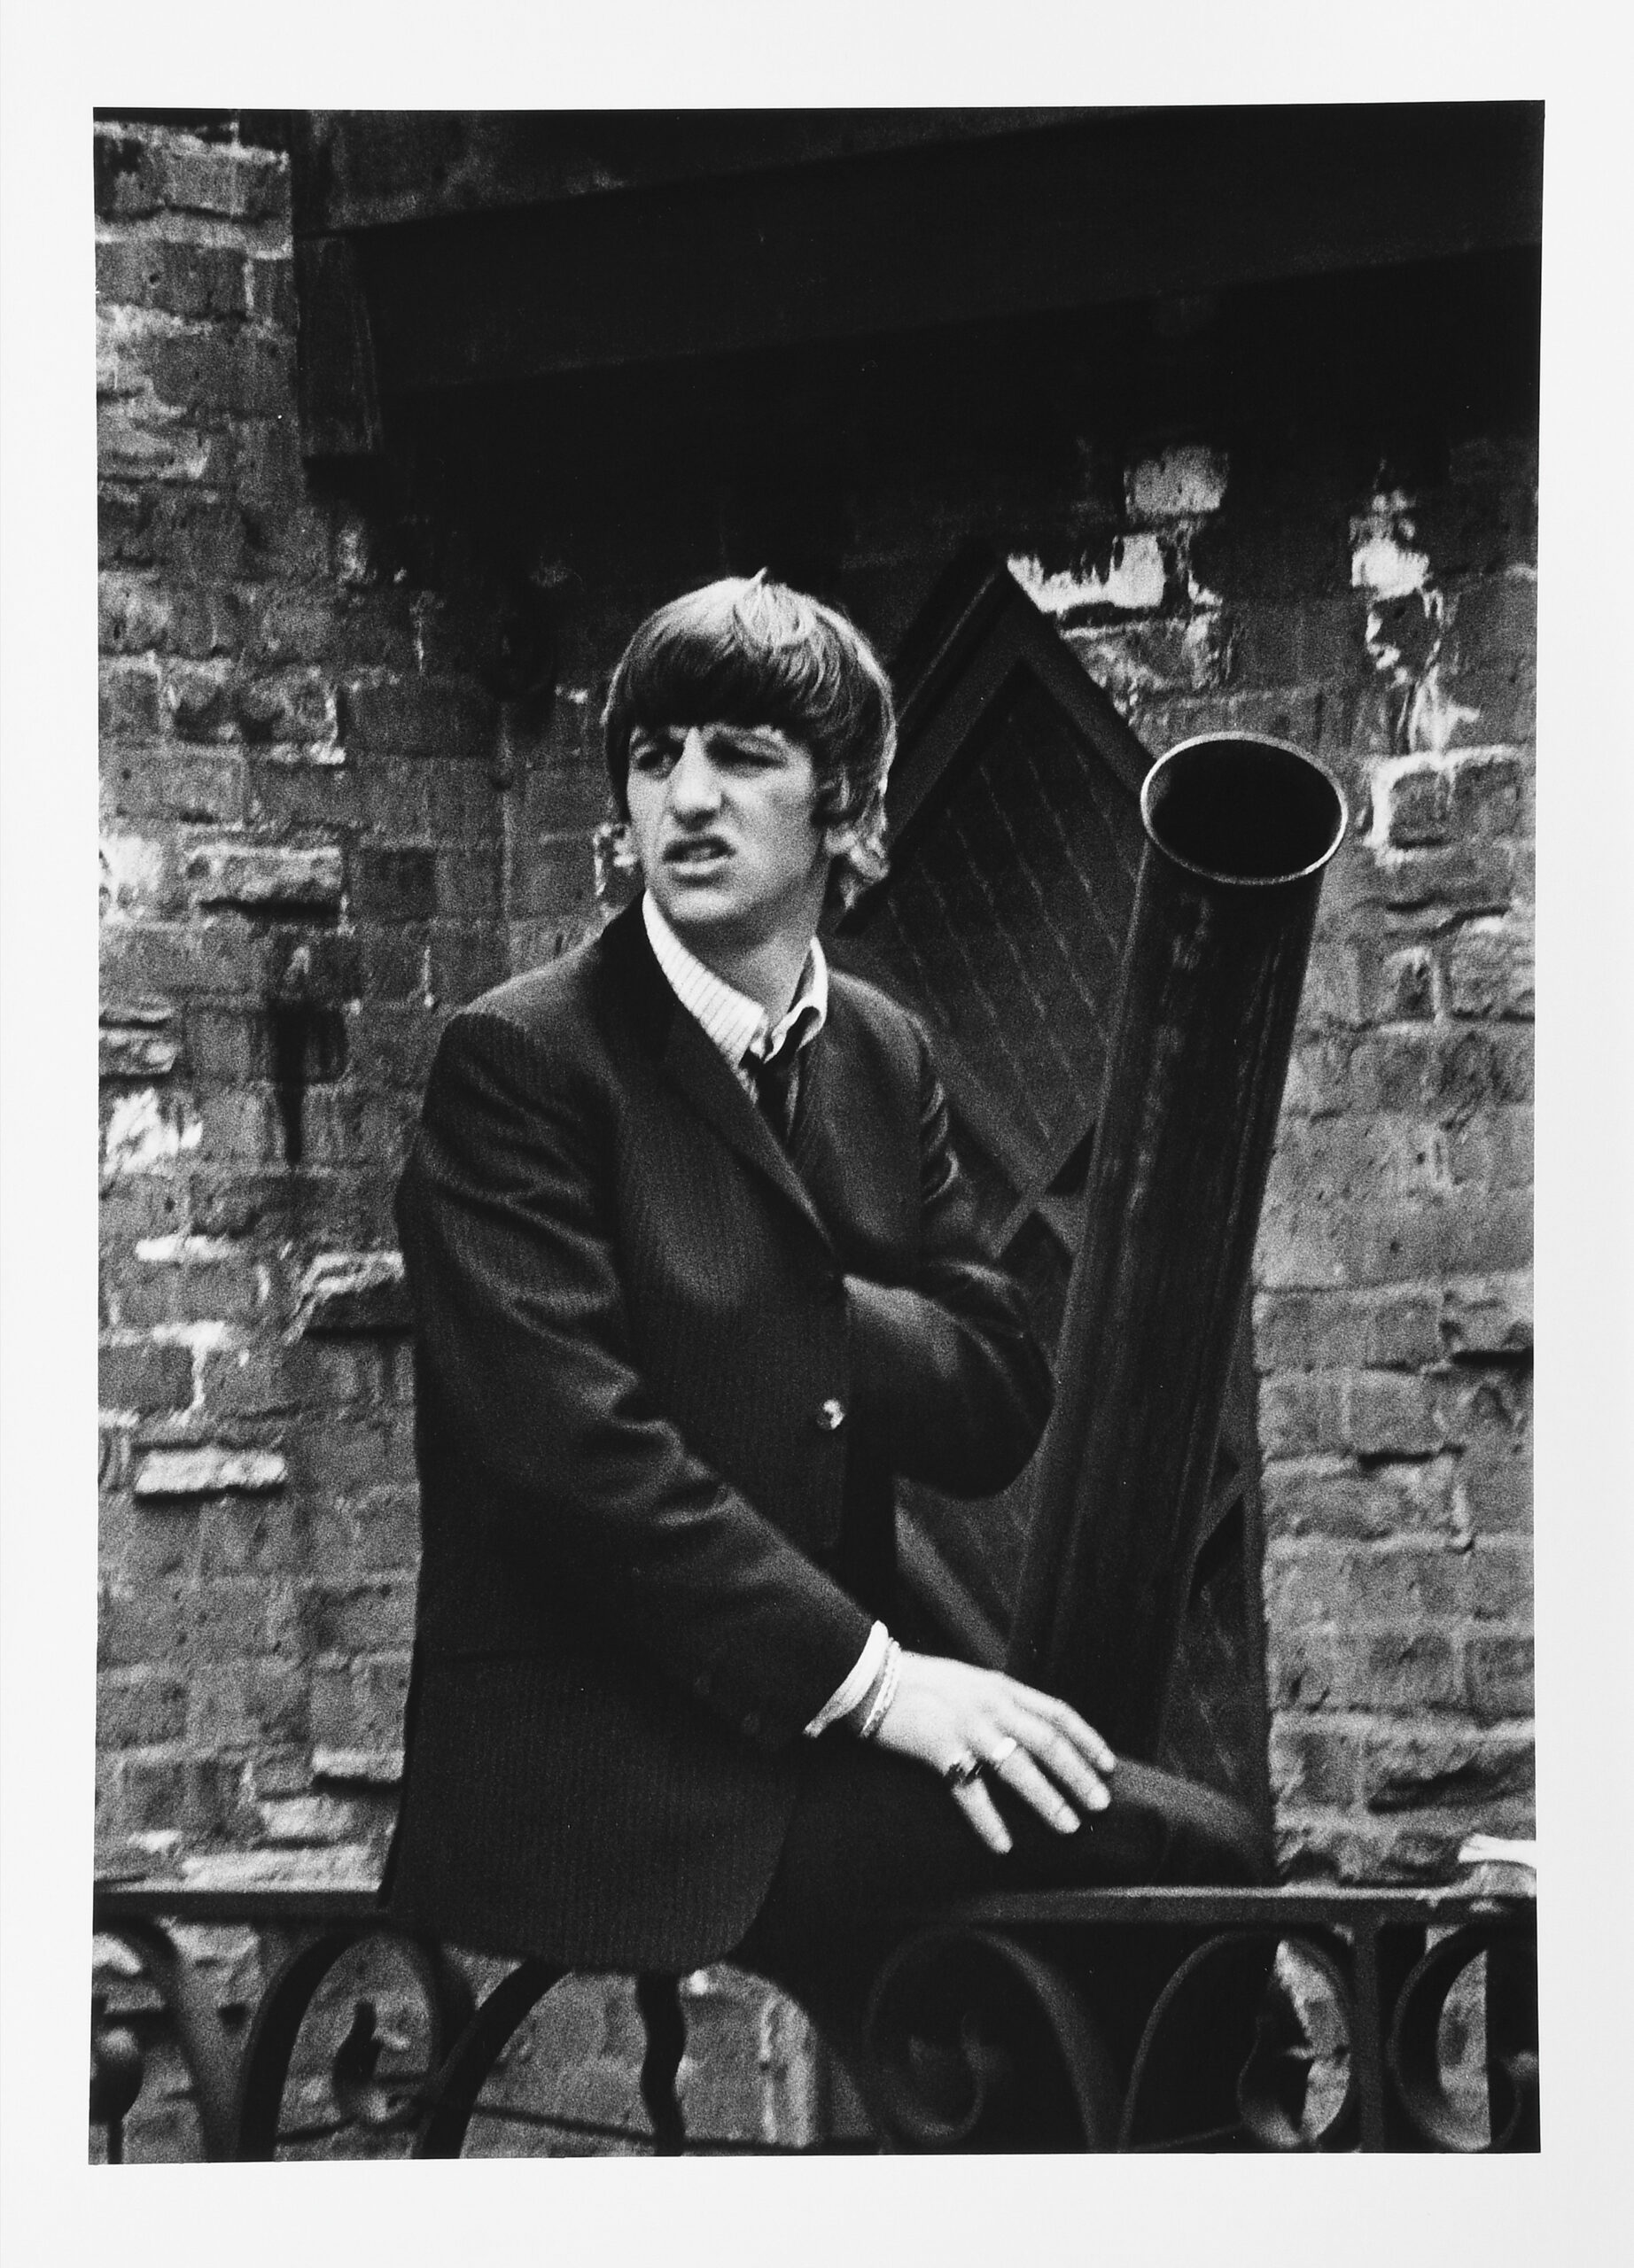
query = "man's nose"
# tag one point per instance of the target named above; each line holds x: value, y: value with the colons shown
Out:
x: 694, y: 784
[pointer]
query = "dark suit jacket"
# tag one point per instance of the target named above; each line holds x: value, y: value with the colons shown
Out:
x: 665, y: 1380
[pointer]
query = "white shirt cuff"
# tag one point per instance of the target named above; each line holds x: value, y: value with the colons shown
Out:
x: 845, y: 1697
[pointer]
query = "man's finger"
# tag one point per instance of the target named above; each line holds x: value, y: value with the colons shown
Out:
x: 1069, y: 1724
x: 1023, y: 1778
x: 982, y: 1813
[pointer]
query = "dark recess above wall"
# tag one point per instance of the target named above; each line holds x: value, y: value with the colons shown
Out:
x: 444, y: 251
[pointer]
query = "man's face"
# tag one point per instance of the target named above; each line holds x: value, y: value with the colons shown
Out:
x: 723, y: 823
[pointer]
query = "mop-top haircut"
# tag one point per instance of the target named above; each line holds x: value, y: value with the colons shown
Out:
x: 754, y: 652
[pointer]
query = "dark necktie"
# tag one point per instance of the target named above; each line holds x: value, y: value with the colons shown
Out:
x: 777, y: 1079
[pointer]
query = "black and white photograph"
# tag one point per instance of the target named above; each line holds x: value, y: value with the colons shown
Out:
x: 816, y: 1068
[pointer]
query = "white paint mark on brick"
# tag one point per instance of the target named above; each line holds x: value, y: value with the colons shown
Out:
x: 211, y: 1472
x: 306, y: 1819
x: 1434, y: 715
x: 380, y: 1767
x: 1185, y: 483
x: 350, y: 1864
x: 133, y: 873
x: 1134, y: 579
x: 143, y: 1138
x: 184, y: 1251
x: 1381, y: 558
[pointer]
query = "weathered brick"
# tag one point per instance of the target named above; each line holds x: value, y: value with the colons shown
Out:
x: 227, y: 1046
x: 266, y: 470
x: 1486, y: 792
x: 397, y: 961
x: 308, y: 1819
x: 1389, y: 1414
x: 1489, y: 967
x: 396, y: 882
x: 176, y: 276
x: 250, y: 1535
x: 1410, y: 1770
x: 164, y: 958
x: 242, y: 1705
x: 295, y: 707
x: 1302, y: 1414
x: 1327, y: 1497
x: 265, y: 874
x: 372, y: 1616
x: 237, y: 1127
x: 394, y: 1047
x: 1417, y: 798
x: 130, y: 705
x: 210, y: 1286
x: 312, y: 964
x: 1495, y: 1489
x: 144, y: 1374
x: 126, y: 175
x: 144, y: 1708
x: 245, y: 1381
x: 1501, y: 1579
x: 1387, y: 1583
x: 231, y: 1619
x: 1497, y: 1671
x: 135, y: 1055
x: 1494, y: 1153
x: 553, y: 879
x: 1314, y: 1763
x: 469, y: 882
x: 353, y: 1291
x: 467, y: 958
x: 1473, y: 877
x: 1468, y: 1233
x: 272, y: 291
x: 405, y: 717
x: 1492, y: 623
x: 177, y: 783
x: 247, y: 372
x: 136, y: 1627
x: 233, y: 183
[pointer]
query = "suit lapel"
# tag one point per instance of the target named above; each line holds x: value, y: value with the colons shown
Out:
x: 695, y: 1065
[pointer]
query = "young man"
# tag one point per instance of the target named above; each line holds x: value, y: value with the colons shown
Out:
x: 694, y: 1277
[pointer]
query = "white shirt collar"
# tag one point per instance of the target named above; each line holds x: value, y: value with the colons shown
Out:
x: 738, y: 1026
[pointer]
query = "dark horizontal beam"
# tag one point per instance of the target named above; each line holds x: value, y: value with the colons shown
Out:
x: 1105, y: 207
x: 368, y: 169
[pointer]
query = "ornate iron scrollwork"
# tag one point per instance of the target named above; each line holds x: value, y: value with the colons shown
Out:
x: 1414, y: 2052
x: 979, y: 2043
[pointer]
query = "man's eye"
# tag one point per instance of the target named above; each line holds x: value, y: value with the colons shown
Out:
x: 652, y: 756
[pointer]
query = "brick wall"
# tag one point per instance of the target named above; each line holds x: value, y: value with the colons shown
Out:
x: 328, y: 820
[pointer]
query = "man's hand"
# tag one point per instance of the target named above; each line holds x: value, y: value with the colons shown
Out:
x: 974, y: 1725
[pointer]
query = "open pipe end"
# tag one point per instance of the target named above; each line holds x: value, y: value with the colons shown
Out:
x: 1234, y: 808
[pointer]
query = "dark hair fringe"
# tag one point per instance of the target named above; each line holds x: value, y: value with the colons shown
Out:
x: 755, y: 652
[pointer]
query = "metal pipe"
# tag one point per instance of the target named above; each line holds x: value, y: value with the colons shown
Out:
x: 1239, y: 832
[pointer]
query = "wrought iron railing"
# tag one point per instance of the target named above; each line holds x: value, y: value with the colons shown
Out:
x: 1298, y: 2019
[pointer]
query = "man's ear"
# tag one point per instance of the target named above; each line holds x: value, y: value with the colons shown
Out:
x: 837, y: 841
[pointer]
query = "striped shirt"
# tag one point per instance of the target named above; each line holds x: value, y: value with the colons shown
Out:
x: 738, y: 1026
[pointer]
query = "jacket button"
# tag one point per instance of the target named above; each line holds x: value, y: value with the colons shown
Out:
x: 831, y: 1416
x: 751, y: 1725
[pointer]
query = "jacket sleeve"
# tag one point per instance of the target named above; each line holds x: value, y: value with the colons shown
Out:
x: 525, y: 1347
x: 946, y: 1373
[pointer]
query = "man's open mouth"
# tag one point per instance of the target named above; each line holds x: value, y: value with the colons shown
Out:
x: 706, y: 851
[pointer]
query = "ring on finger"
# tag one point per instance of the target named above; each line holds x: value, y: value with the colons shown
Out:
x: 965, y: 1768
